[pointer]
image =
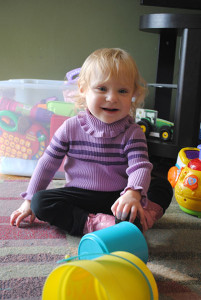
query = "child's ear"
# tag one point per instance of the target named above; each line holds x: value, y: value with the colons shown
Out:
x: 135, y: 93
x: 82, y: 90
x: 134, y: 96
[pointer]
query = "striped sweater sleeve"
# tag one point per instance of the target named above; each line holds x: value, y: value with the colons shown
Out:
x: 48, y: 164
x: 139, y: 167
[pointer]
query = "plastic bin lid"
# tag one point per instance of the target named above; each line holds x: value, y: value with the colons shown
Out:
x: 32, y: 83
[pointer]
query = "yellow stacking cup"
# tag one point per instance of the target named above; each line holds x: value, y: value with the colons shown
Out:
x: 119, y: 275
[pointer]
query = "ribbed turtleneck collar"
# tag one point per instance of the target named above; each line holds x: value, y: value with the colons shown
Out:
x: 96, y: 128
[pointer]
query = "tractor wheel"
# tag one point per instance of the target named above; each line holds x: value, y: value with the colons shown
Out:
x: 165, y: 133
x: 146, y: 127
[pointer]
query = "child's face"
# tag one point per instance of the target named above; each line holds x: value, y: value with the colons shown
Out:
x: 109, y: 100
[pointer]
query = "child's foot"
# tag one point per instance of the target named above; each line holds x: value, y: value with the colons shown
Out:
x: 98, y: 222
x: 152, y: 212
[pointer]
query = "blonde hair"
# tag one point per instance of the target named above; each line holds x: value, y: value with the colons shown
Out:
x: 114, y: 61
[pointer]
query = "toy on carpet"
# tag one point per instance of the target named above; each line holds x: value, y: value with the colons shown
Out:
x: 185, y: 178
x: 108, y: 266
x: 123, y: 236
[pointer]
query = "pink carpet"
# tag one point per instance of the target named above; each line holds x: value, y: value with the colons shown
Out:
x: 29, y: 254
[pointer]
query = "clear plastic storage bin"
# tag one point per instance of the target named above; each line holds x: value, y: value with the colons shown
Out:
x: 30, y: 112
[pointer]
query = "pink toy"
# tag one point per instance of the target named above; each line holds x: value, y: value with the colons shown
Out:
x: 36, y: 112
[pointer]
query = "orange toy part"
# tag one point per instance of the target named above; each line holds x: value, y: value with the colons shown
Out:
x: 173, y: 175
x: 191, y: 182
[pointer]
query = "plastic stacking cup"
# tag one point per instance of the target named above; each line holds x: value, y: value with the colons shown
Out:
x: 119, y: 275
x: 124, y: 236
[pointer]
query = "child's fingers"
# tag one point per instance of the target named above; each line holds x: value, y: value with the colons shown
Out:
x: 17, y: 217
x: 114, y: 207
x: 122, y: 211
x: 133, y: 214
x: 21, y: 217
x: 126, y: 210
x: 32, y: 218
x: 14, y: 216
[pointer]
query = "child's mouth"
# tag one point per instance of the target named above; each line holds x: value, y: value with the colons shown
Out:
x: 110, y: 109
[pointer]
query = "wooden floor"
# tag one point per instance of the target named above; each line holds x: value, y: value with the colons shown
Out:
x: 11, y: 177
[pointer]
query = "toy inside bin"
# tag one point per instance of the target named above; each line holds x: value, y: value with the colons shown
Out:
x: 27, y: 112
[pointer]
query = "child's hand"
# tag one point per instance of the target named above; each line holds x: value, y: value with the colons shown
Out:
x: 21, y: 213
x: 129, y: 203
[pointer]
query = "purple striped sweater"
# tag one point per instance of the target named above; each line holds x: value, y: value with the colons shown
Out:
x: 99, y: 156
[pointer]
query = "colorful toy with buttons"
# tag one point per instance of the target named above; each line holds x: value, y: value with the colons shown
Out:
x: 185, y: 178
x: 26, y: 144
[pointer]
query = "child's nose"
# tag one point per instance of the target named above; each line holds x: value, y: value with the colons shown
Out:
x: 111, y: 96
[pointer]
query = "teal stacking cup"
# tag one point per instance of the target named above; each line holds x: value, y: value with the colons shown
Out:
x: 124, y: 236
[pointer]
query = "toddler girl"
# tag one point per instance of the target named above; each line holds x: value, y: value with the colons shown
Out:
x: 107, y: 170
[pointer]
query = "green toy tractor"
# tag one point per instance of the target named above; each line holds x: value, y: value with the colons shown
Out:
x: 153, y: 126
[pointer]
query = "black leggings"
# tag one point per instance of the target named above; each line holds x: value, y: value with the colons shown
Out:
x: 68, y: 207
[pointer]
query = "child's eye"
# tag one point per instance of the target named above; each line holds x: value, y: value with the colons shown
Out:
x: 102, y: 88
x: 123, y: 91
